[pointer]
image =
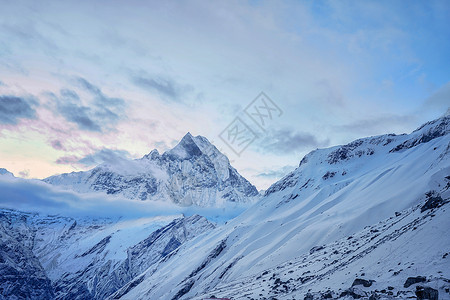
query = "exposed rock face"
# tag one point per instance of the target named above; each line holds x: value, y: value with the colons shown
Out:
x: 192, y: 173
x: 433, y: 201
x: 21, y: 274
x: 426, y: 133
x: 423, y: 293
x: 413, y: 280
x: 352, y: 293
x: 363, y: 282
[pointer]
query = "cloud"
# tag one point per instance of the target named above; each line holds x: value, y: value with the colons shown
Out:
x: 81, y: 115
x: 69, y: 94
x: 329, y: 94
x: 288, y: 141
x: 104, y: 156
x: 27, y: 34
x: 97, y: 115
x: 13, y: 108
x: 67, y: 160
x: 37, y: 196
x: 2, y: 84
x: 24, y: 173
x: 94, y: 159
x: 378, y: 125
x: 165, y: 86
x: 57, y: 145
x: 89, y: 86
x: 278, y: 173
x: 440, y: 99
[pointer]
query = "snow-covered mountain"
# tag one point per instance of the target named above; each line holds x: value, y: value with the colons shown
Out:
x: 47, y: 257
x: 367, y: 218
x: 193, y: 172
x: 6, y: 173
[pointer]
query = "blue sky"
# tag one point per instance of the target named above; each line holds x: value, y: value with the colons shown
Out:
x: 85, y: 81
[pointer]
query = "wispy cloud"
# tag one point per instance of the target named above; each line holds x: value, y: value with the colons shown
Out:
x: 163, y: 85
x: 440, y: 99
x: 104, y: 156
x: 276, y: 173
x: 24, y: 173
x: 27, y: 34
x: 37, y: 196
x: 97, y: 114
x: 14, y: 108
x: 83, y: 116
x: 57, y: 145
x: 289, y: 141
x: 111, y: 156
x: 382, y: 124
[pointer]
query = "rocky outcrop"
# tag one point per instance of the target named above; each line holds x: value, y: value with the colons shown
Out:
x: 413, y: 280
x: 363, y: 282
x: 423, y: 293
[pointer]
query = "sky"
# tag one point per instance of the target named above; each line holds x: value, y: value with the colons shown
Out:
x: 86, y: 82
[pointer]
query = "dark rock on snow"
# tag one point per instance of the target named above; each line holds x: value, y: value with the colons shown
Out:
x: 426, y: 293
x: 412, y: 280
x: 364, y: 282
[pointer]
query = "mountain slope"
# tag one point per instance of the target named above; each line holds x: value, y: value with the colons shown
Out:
x: 21, y: 274
x: 53, y: 257
x: 330, y: 199
x: 192, y: 173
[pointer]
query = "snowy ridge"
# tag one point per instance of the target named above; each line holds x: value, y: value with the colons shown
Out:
x: 335, y: 161
x: 192, y: 173
x: 328, y: 202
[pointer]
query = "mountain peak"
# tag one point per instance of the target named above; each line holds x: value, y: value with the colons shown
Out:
x: 152, y: 155
x: 187, y: 139
x: 188, y: 135
x: 186, y: 148
x: 3, y: 171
